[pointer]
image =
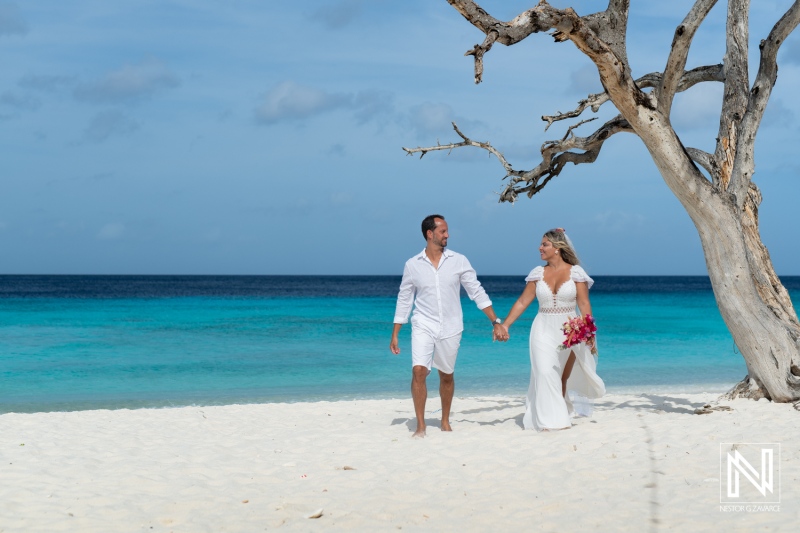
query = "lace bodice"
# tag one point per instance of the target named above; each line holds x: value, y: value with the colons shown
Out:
x: 564, y: 299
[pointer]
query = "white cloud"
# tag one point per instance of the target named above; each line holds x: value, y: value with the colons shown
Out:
x: 432, y: 119
x: 111, y: 231
x: 44, y: 82
x: 129, y: 84
x: 487, y: 206
x: 289, y: 101
x: 108, y: 124
x: 20, y: 101
x: 585, y: 81
x: 338, y: 15
x: 337, y: 149
x: 699, y: 107
x: 790, y: 52
x: 615, y: 221
x: 11, y: 19
x: 224, y: 116
x: 372, y: 104
x: 778, y: 114
x: 341, y: 198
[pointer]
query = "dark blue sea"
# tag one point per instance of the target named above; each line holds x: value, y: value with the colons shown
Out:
x: 91, y: 342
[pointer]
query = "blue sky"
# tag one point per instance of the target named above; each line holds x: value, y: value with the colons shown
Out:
x: 247, y: 137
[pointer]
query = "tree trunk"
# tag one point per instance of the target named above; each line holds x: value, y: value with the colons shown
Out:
x: 753, y: 303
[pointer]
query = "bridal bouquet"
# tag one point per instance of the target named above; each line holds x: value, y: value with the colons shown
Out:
x: 577, y: 330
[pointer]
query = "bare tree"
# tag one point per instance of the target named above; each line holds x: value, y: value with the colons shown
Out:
x: 724, y: 205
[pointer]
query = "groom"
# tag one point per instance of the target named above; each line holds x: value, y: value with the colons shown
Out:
x: 432, y: 280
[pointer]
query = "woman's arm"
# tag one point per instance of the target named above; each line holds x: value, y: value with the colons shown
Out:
x: 522, y: 303
x: 583, y: 298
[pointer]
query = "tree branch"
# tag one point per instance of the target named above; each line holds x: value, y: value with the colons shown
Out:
x: 701, y: 74
x: 508, y: 33
x: 707, y: 161
x: 757, y: 103
x: 556, y: 154
x: 567, y: 25
x: 478, y: 52
x: 600, y: 32
x: 611, y: 26
x: 593, y: 100
x: 737, y: 86
x: 466, y: 142
x: 681, y: 42
x: 689, y: 79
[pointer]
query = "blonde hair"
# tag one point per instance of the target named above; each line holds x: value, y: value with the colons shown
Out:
x: 558, y: 238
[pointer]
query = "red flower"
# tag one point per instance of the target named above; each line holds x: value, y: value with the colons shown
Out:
x: 578, y: 330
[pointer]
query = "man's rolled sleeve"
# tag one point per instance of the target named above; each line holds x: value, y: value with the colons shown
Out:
x: 469, y: 280
x: 405, y: 298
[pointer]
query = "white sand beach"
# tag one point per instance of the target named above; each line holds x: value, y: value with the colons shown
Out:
x: 641, y: 463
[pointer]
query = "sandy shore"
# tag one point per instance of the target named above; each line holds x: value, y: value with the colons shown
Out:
x: 642, y: 463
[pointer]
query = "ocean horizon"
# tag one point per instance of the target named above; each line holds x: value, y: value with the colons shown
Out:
x: 73, y: 342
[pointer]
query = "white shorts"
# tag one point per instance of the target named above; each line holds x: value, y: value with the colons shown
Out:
x: 427, y: 350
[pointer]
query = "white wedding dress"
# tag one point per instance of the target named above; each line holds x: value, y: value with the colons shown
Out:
x: 545, y: 407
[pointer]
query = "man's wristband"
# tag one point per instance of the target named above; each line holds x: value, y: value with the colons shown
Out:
x: 498, y: 321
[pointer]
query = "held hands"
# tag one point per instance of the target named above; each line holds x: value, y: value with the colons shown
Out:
x: 500, y: 333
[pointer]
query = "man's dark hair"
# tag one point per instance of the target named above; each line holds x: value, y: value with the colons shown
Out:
x: 428, y: 223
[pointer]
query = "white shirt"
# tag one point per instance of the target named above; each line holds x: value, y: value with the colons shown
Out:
x: 436, y: 293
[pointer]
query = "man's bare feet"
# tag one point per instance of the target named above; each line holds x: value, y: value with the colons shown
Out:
x: 446, y: 426
x: 419, y: 433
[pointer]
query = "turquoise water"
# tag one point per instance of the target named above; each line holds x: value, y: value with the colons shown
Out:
x: 116, y: 344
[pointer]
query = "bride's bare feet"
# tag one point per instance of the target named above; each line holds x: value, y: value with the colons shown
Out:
x: 446, y: 426
x: 419, y: 433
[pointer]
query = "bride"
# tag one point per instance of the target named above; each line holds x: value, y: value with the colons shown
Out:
x: 559, y: 285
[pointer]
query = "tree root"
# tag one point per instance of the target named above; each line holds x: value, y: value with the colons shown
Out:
x: 747, y: 388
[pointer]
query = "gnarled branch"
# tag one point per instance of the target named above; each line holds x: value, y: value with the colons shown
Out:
x: 674, y: 69
x: 567, y: 25
x: 466, y: 142
x: 707, y: 161
x: 689, y: 79
x: 478, y: 52
x: 737, y: 85
x: 507, y: 33
x: 611, y: 26
x: 757, y: 103
x: 556, y: 154
x: 600, y: 32
x: 593, y: 100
